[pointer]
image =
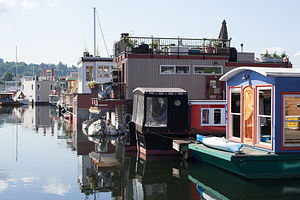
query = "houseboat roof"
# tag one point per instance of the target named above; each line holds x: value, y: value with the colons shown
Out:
x: 265, y: 71
x: 145, y: 90
x: 95, y: 59
x: 10, y: 93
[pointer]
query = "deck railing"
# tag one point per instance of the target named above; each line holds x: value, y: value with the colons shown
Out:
x: 171, y: 46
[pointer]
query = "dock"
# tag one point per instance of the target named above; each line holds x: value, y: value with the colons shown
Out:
x: 249, y: 162
x: 182, y: 147
x: 105, y: 161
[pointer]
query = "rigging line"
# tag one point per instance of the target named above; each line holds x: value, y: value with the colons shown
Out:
x: 102, y: 33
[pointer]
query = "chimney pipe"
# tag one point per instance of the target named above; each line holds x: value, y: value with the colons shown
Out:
x: 52, y: 74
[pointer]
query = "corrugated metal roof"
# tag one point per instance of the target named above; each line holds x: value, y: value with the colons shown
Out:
x: 157, y: 90
x: 265, y: 71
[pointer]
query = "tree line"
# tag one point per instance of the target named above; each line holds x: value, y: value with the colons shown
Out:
x: 8, y: 70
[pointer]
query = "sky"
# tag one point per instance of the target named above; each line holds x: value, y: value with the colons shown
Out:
x: 50, y: 31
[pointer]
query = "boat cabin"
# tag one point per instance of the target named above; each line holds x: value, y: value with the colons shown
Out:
x: 159, y: 114
x: 160, y: 109
x: 263, y: 107
x: 208, y: 117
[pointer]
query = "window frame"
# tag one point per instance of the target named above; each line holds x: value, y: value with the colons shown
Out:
x: 229, y: 113
x: 211, y: 114
x: 257, y: 116
x: 174, y: 69
x: 208, y: 66
x: 102, y: 73
x: 283, y: 145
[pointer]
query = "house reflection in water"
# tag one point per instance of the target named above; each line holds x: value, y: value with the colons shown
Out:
x: 37, y: 117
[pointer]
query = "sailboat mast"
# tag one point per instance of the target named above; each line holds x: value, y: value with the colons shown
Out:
x: 95, y: 32
x: 16, y: 61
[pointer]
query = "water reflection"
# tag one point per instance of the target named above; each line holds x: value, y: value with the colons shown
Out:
x: 42, y: 157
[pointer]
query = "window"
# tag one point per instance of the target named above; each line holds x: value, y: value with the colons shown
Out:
x: 172, y: 69
x: 291, y: 117
x: 89, y: 73
x: 208, y: 70
x: 217, y: 116
x: 156, y: 112
x: 182, y: 69
x: 167, y: 69
x: 264, y: 115
x: 38, y: 98
x: 213, y: 116
x: 38, y: 87
x: 205, y: 116
x: 103, y: 72
x: 51, y: 87
x: 31, y: 86
x: 235, y: 112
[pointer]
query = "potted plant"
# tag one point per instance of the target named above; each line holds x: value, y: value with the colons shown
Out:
x: 209, y: 48
x: 92, y: 84
x: 129, y: 43
x: 273, y: 58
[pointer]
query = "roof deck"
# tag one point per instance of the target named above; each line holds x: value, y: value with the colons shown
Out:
x: 171, y: 46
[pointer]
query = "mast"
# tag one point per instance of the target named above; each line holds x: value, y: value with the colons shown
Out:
x: 94, y: 32
x: 16, y: 61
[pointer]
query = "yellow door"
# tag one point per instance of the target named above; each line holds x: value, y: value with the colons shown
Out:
x: 248, y: 108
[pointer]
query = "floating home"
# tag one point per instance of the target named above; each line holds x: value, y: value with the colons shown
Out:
x: 208, y: 116
x: 263, y: 106
x: 192, y: 64
x: 37, y: 89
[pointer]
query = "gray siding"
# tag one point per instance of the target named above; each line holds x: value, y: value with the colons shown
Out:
x: 140, y: 72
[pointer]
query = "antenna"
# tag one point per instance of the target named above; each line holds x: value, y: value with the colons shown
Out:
x: 95, y: 32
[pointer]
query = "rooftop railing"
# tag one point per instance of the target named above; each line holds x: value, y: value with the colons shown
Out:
x: 171, y: 46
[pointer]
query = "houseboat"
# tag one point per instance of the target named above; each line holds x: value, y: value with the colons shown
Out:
x: 6, y: 99
x: 208, y: 116
x: 163, y: 114
x: 159, y: 114
x: 263, y: 114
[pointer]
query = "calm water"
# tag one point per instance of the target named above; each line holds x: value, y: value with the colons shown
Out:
x: 41, y: 157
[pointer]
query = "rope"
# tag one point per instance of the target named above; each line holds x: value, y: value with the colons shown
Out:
x: 102, y: 34
x: 164, y: 136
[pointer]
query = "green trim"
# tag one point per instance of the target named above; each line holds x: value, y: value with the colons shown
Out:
x: 206, y: 188
x: 255, y: 165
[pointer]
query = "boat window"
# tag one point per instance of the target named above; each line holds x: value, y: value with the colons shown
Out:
x: 205, y: 70
x: 182, y: 69
x: 205, y: 116
x: 167, y: 69
x: 264, y: 117
x: 89, y: 73
x: 103, y: 72
x: 156, y: 112
x: 213, y: 116
x: 134, y: 112
x: 235, y: 112
x: 217, y: 116
x: 291, y: 136
x: 140, y: 110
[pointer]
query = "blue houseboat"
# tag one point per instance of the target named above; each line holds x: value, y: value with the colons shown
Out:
x: 263, y: 108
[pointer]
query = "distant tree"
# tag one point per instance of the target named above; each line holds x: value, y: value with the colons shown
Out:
x: 7, y: 76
